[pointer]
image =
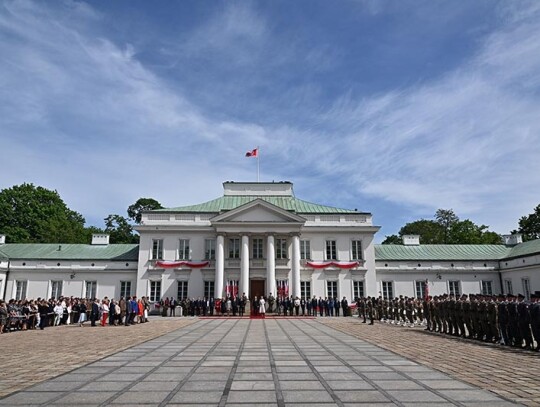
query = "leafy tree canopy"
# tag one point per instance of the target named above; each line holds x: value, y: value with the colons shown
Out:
x: 529, y: 226
x: 120, y: 230
x: 447, y: 228
x: 143, y: 204
x: 30, y: 214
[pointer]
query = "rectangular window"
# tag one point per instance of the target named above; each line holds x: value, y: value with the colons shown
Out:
x: 234, y: 248
x: 281, y: 248
x: 305, y: 250
x: 305, y: 290
x: 331, y: 289
x: 56, y: 289
x: 20, y: 291
x: 157, y: 249
x: 388, y: 290
x: 125, y: 289
x: 183, y: 249
x: 210, y: 249
x: 257, y: 248
x: 358, y: 289
x: 487, y: 287
x: 209, y: 289
x: 453, y: 288
x: 181, y: 293
x: 91, y: 289
x: 356, y: 250
x: 331, y: 253
x: 420, y: 289
x: 155, y: 291
x: 508, y: 287
x: 526, y: 288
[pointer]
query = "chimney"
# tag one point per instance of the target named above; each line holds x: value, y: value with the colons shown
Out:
x: 100, y: 239
x: 411, y: 240
x: 2, y: 239
x: 512, y: 240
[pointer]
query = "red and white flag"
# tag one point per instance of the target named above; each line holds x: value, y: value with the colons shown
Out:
x: 253, y: 153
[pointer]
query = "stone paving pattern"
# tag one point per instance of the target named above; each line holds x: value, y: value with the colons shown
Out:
x: 508, y: 372
x: 228, y: 362
x: 30, y: 357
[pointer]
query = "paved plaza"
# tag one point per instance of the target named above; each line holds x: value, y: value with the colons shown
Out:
x: 228, y: 362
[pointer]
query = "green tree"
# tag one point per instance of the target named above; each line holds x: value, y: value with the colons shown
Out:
x: 447, y: 228
x: 30, y: 214
x: 120, y: 230
x: 447, y: 219
x: 392, y: 239
x: 529, y: 226
x: 143, y: 204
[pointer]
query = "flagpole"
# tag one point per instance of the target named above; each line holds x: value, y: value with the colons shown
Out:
x: 258, y: 158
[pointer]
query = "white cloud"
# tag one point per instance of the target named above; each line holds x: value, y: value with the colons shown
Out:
x: 82, y: 114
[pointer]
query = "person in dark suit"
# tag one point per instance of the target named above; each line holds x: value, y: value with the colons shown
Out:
x: 211, y: 306
x: 94, y: 313
x: 303, y: 306
x: 345, y: 307
x: 43, y: 309
x: 128, y: 311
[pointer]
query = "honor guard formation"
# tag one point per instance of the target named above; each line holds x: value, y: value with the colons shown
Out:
x: 505, y: 319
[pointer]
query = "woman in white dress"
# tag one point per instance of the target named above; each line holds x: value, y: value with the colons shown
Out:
x: 262, y: 307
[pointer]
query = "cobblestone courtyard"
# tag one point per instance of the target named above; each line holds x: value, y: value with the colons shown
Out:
x: 226, y: 362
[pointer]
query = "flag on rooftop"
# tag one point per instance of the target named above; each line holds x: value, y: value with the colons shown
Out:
x: 253, y: 153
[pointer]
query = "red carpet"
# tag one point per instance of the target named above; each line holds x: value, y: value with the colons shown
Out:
x: 257, y: 317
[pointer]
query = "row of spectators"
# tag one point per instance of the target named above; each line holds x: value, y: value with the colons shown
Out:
x: 41, y: 313
x: 236, y: 306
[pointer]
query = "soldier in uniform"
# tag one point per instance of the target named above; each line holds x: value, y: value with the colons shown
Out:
x: 474, y: 317
x: 370, y: 309
x: 535, y: 319
x: 524, y: 321
x: 460, y: 314
x: 427, y: 313
x: 492, y: 313
x: 513, y: 327
x: 503, y: 319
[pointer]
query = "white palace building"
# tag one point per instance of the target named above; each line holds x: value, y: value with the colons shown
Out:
x: 258, y: 238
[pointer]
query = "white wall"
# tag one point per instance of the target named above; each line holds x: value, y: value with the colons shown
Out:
x: 39, y: 275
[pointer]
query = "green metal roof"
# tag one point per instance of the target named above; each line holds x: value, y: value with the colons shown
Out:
x: 525, y: 249
x: 46, y: 251
x: 228, y: 202
x: 441, y: 252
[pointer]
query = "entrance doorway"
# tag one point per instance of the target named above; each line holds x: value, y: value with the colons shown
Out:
x: 256, y: 288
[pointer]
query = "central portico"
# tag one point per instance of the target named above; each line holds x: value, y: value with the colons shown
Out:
x: 257, y: 239
x: 256, y: 225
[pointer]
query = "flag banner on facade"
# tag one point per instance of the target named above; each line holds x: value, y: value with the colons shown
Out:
x: 231, y: 289
x: 282, y: 288
x: 253, y: 153
x: 176, y: 264
x: 338, y: 264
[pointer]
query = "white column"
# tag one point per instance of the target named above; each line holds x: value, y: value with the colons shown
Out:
x: 295, y: 266
x: 270, y: 266
x: 244, y: 266
x: 220, y: 267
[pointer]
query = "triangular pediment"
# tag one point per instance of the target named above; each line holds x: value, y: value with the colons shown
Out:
x: 258, y: 211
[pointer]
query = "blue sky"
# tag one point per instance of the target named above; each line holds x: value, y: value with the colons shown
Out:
x: 392, y: 107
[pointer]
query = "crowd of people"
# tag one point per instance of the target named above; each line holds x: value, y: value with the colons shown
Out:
x: 506, y: 319
x: 259, y: 306
x: 41, y: 313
